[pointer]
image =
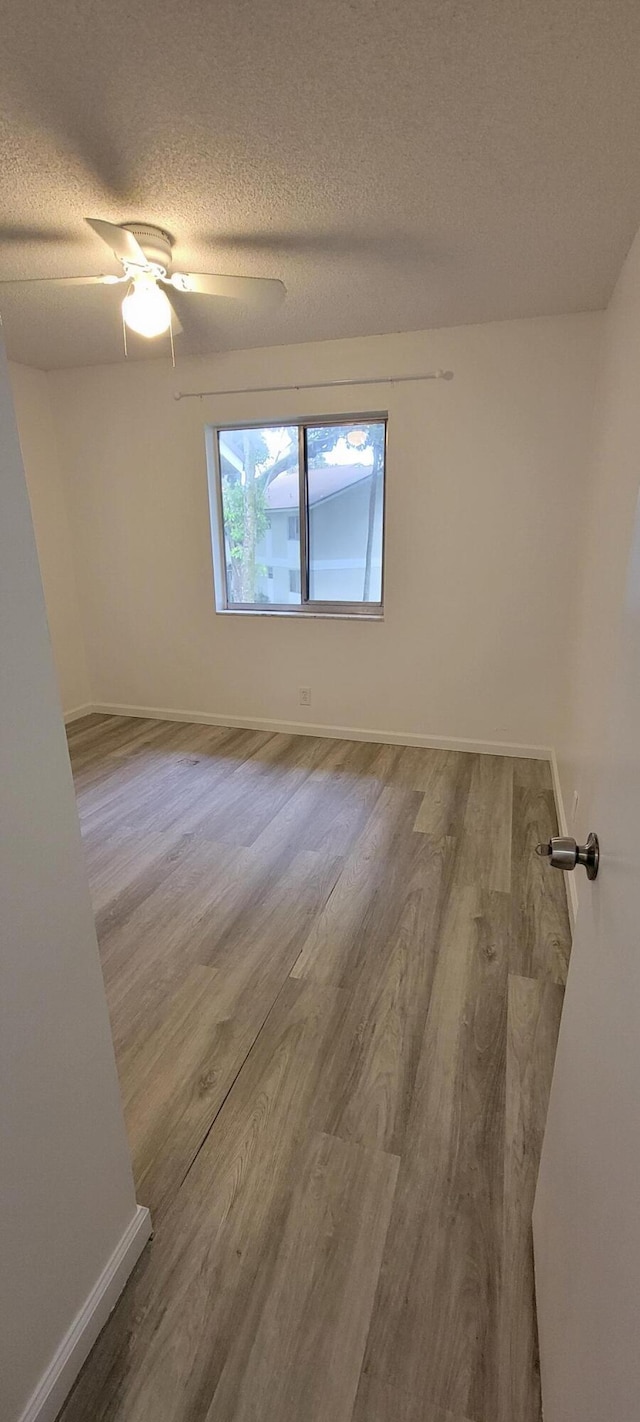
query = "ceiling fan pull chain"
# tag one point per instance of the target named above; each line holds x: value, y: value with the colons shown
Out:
x: 173, y: 354
x: 124, y: 335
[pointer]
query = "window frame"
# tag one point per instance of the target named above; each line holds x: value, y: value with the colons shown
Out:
x: 373, y: 611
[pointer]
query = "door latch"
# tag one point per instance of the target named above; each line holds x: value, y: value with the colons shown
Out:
x: 564, y: 853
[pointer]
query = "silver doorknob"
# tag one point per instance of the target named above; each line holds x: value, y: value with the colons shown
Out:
x: 564, y: 853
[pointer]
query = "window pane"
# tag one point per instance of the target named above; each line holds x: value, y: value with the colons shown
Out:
x: 345, y: 466
x: 260, y: 498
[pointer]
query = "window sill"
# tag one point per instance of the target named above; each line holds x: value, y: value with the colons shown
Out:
x: 296, y: 612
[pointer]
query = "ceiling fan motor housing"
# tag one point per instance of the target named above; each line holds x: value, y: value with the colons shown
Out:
x: 156, y: 244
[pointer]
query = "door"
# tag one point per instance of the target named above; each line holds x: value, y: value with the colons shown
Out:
x: 587, y: 1210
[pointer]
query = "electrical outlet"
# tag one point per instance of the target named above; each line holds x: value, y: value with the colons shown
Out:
x: 305, y: 695
x: 574, y: 807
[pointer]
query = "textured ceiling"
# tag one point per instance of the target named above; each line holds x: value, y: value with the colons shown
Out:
x: 398, y: 163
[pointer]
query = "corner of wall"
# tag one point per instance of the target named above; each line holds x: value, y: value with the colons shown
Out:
x: 40, y: 440
x: 58, y: 1379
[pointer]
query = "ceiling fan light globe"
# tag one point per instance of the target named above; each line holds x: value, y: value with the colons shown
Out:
x: 146, y: 310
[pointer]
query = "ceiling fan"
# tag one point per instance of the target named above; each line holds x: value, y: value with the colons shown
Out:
x: 144, y: 253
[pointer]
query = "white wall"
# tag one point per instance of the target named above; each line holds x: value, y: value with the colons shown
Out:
x: 32, y: 399
x: 66, y: 1190
x: 611, y: 496
x: 484, y: 497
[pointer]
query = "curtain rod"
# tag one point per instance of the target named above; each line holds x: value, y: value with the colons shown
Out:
x: 314, y: 385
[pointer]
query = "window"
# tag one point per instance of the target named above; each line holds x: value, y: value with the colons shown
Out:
x: 298, y: 515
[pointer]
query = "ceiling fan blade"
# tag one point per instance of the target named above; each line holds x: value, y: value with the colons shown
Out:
x: 253, y: 291
x: 63, y: 281
x: 122, y: 242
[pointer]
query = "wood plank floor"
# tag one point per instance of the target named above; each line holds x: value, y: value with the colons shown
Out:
x: 335, y: 975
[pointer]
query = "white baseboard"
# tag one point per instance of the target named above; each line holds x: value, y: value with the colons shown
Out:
x: 347, y: 733
x: 76, y: 713
x: 56, y: 1383
x: 563, y: 823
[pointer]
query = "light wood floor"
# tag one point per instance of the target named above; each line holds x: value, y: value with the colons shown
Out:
x: 335, y: 974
